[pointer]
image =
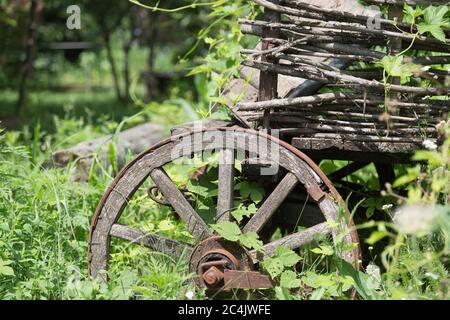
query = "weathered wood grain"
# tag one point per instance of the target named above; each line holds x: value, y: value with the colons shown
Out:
x: 226, y: 185
x: 296, y: 240
x: 136, y: 172
x: 271, y: 204
x: 152, y: 241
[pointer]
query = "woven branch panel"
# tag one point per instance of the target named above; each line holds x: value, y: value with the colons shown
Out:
x: 362, y: 101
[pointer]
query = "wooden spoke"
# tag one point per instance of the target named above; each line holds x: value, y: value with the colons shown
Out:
x: 271, y: 204
x: 152, y: 241
x: 226, y: 185
x: 193, y: 221
x: 296, y: 240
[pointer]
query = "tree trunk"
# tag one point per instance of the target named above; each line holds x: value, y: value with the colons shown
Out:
x: 134, y: 34
x: 126, y: 70
x: 31, y: 45
x: 107, y: 39
x: 151, y: 41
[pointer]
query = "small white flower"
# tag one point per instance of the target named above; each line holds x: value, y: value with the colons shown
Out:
x: 189, y: 294
x: 374, y: 272
x: 413, y: 219
x: 387, y: 206
x: 429, y: 144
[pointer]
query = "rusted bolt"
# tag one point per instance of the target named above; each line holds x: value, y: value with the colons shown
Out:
x: 212, y: 276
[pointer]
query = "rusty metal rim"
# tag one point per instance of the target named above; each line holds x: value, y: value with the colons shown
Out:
x: 284, y: 144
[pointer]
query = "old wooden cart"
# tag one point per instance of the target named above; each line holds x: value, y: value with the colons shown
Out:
x: 361, y: 115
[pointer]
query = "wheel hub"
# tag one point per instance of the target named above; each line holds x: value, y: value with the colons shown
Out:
x: 224, y: 265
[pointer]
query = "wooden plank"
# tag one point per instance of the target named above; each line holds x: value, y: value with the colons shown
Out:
x: 193, y: 221
x: 226, y: 185
x: 296, y: 240
x: 323, y: 143
x: 268, y: 81
x: 152, y: 241
x: 379, y: 152
x: 272, y: 203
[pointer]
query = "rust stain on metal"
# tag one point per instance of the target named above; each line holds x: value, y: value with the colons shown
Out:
x: 237, y: 279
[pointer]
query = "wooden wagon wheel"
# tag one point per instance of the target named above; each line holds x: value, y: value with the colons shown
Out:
x: 213, y: 258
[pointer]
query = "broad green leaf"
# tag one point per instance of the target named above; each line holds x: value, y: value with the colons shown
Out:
x: 5, y: 269
x: 434, y: 22
x: 411, y: 14
x: 257, y: 194
x: 251, y: 240
x: 251, y: 190
x: 244, y: 189
x: 228, y: 230
x: 197, y: 189
x: 395, y: 67
x: 287, y: 256
x: 411, y: 175
x: 375, y: 237
x: 438, y: 184
x: 289, y: 280
x: 433, y: 158
x: 435, y: 30
x: 318, y: 294
x: 414, y: 194
x: 283, y: 293
x: 315, y: 280
x: 273, y: 266
x: 324, y: 250
x: 242, y: 212
x: 365, y: 290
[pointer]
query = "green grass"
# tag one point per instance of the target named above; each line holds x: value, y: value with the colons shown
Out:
x: 44, y: 225
x: 42, y: 106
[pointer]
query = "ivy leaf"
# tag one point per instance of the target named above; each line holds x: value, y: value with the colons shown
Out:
x: 434, y: 22
x: 287, y: 256
x: 242, y: 212
x: 273, y: 266
x: 251, y: 190
x: 228, y: 230
x: 411, y: 14
x: 251, y: 240
x: 289, y: 280
x: 395, y: 67
x: 435, y: 30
